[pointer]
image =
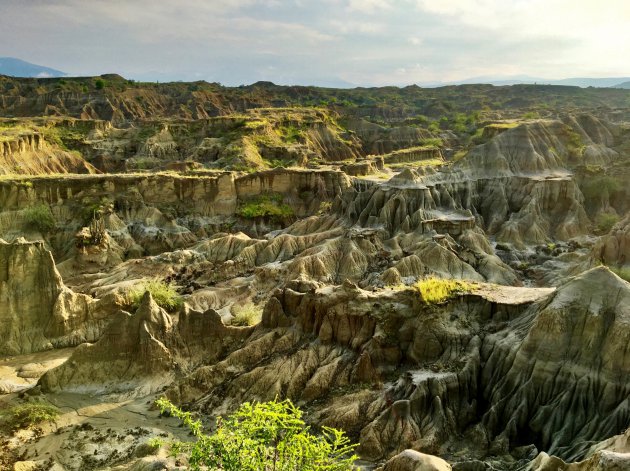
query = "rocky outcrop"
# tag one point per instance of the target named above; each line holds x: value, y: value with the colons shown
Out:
x: 162, y: 212
x: 614, y: 247
x: 30, y: 154
x: 411, y: 460
x: 37, y: 312
x: 547, y: 148
x: 378, y: 139
x: 559, y: 376
x: 391, y: 370
x: 413, y: 154
x: 139, y: 353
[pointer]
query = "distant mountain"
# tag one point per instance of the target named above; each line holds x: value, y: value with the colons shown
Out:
x: 20, y: 68
x: 602, y: 82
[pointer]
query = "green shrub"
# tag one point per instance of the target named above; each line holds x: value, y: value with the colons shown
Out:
x: 247, y: 314
x: 605, y: 222
x: 267, y: 206
x: 99, y: 84
x: 598, y: 186
x: 30, y: 414
x: 434, y: 127
x: 164, y: 294
x: 437, y: 290
x: 40, y: 217
x: 263, y: 436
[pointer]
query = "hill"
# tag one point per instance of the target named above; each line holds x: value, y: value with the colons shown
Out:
x: 19, y: 68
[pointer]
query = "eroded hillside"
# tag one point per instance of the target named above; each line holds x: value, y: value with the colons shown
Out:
x: 220, y: 245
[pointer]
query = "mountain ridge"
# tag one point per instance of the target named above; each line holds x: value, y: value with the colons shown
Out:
x: 15, y: 67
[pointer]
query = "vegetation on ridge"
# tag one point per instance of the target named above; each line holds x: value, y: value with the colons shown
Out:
x: 164, y: 294
x: 266, y: 206
x: 437, y: 290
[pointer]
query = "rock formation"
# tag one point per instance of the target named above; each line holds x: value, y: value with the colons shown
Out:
x: 298, y: 226
x: 37, y: 311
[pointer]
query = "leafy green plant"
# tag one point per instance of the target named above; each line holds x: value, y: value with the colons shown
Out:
x: 99, y: 84
x: 437, y: 290
x: 164, y: 294
x: 40, y: 217
x: 30, y: 414
x: 263, y: 436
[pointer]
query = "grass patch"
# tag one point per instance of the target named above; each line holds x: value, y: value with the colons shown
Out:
x: 164, y: 294
x: 621, y: 272
x: 290, y: 134
x: 437, y: 290
x: 40, y: 217
x: 246, y: 315
x: 432, y: 141
x: 266, y: 206
x: 30, y: 414
x: 459, y: 155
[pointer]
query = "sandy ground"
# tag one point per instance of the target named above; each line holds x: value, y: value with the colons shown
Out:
x: 90, y: 433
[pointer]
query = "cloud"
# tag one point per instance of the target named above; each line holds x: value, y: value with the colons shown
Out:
x: 369, y: 6
x: 357, y: 27
x: 367, y: 42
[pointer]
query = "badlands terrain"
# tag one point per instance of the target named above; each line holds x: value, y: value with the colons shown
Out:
x: 297, y: 233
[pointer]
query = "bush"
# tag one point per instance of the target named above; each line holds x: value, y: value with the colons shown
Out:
x: 605, y: 222
x: 247, y: 314
x: 598, y: 186
x: 263, y: 436
x: 31, y: 413
x: 99, y: 84
x: 437, y: 290
x: 40, y: 217
x: 267, y: 206
x: 164, y: 294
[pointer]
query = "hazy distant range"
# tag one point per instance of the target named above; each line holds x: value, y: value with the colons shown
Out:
x: 19, y: 68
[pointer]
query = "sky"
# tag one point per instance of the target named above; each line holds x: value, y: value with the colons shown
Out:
x: 325, y: 42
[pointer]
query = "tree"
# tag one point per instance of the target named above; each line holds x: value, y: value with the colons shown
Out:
x: 262, y: 437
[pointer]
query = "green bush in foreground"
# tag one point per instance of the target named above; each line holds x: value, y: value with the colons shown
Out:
x: 40, y: 217
x: 437, y: 290
x: 164, y: 294
x: 31, y: 413
x: 263, y: 437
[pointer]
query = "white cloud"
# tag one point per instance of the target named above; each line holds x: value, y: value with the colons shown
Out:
x: 368, y: 6
x: 361, y: 41
x: 361, y: 27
